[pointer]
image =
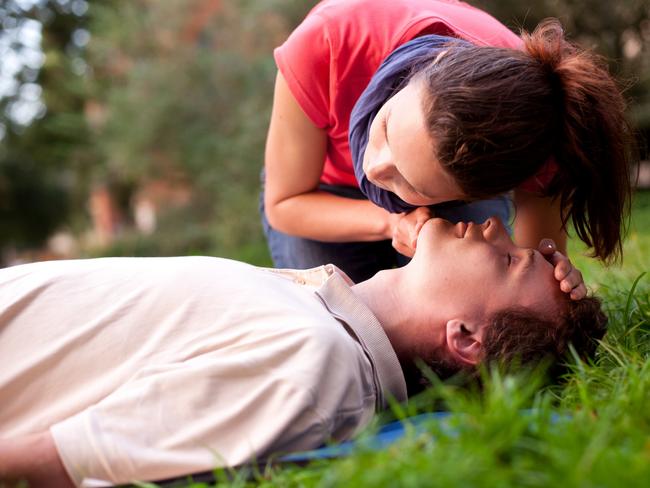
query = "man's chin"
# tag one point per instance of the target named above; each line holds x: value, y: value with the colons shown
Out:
x: 432, y: 231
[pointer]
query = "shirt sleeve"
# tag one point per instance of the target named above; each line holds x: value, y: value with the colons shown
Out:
x: 305, y: 62
x: 182, y: 420
x: 208, y: 412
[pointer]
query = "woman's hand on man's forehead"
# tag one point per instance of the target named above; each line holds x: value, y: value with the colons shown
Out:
x: 570, y: 278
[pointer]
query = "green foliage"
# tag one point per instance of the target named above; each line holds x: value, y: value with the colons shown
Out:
x: 199, y: 104
x: 181, y: 233
x: 148, y: 99
x: 636, y: 251
x: 27, y: 194
x: 620, y: 31
x: 168, y: 100
x: 44, y: 166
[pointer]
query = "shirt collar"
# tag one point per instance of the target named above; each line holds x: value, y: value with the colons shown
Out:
x: 314, y: 277
x: 337, y: 296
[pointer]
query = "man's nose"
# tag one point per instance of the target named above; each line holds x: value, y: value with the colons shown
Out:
x: 493, y: 228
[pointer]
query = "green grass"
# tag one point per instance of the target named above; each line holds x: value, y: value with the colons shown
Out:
x: 636, y: 250
x: 592, y: 431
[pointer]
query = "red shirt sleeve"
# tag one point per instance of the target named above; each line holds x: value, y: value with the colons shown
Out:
x: 304, y: 60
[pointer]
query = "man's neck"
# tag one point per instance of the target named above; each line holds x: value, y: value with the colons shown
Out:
x: 381, y: 294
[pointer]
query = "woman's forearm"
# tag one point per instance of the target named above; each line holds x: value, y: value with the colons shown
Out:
x: 326, y: 217
x: 537, y: 218
x: 294, y: 158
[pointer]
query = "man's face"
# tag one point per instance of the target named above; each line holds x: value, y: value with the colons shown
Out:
x: 477, y: 270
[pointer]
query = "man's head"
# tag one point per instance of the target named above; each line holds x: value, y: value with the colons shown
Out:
x: 473, y: 297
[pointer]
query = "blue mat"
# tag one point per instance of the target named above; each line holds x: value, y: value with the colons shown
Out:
x: 386, y: 436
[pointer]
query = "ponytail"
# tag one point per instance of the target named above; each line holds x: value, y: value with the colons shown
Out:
x: 594, y: 147
x: 496, y: 116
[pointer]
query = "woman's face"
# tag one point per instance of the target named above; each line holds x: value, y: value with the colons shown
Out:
x: 400, y: 154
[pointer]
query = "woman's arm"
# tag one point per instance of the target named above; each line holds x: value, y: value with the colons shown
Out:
x: 295, y: 154
x: 538, y: 220
x: 32, y: 458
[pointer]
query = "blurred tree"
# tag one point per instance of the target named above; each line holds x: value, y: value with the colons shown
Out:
x: 620, y: 31
x: 132, y: 91
x: 44, y: 148
x: 191, y: 96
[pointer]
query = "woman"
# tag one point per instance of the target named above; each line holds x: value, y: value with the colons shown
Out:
x: 439, y: 110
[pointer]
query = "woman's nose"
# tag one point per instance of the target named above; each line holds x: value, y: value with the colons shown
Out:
x: 381, y: 166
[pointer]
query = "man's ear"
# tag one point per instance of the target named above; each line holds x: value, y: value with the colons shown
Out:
x: 464, y: 340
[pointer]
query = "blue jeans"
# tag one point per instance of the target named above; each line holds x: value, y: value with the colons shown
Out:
x: 361, y: 260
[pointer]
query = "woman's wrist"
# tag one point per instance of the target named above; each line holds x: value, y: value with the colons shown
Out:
x: 392, y: 220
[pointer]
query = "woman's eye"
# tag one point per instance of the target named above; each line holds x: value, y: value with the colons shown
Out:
x: 509, y: 259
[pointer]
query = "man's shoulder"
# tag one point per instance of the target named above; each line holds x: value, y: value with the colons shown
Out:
x: 322, y: 335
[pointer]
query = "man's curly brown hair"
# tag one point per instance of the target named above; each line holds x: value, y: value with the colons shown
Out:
x: 518, y: 337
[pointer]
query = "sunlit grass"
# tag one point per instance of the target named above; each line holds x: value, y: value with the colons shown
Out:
x: 636, y: 251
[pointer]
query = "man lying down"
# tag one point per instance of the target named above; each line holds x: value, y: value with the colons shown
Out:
x: 124, y: 369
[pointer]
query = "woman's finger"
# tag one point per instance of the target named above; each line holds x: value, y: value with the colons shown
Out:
x: 570, y: 278
x: 402, y: 248
x: 579, y: 292
x: 547, y: 247
x: 416, y: 220
x: 563, y: 267
x: 407, y: 229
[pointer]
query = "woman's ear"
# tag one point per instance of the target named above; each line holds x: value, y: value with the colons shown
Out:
x: 464, y: 340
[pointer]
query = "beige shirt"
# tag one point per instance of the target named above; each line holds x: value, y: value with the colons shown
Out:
x: 149, y: 368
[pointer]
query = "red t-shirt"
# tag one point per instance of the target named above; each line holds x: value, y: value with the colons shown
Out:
x: 331, y: 56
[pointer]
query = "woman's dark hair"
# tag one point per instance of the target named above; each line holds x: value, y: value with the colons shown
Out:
x: 496, y: 116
